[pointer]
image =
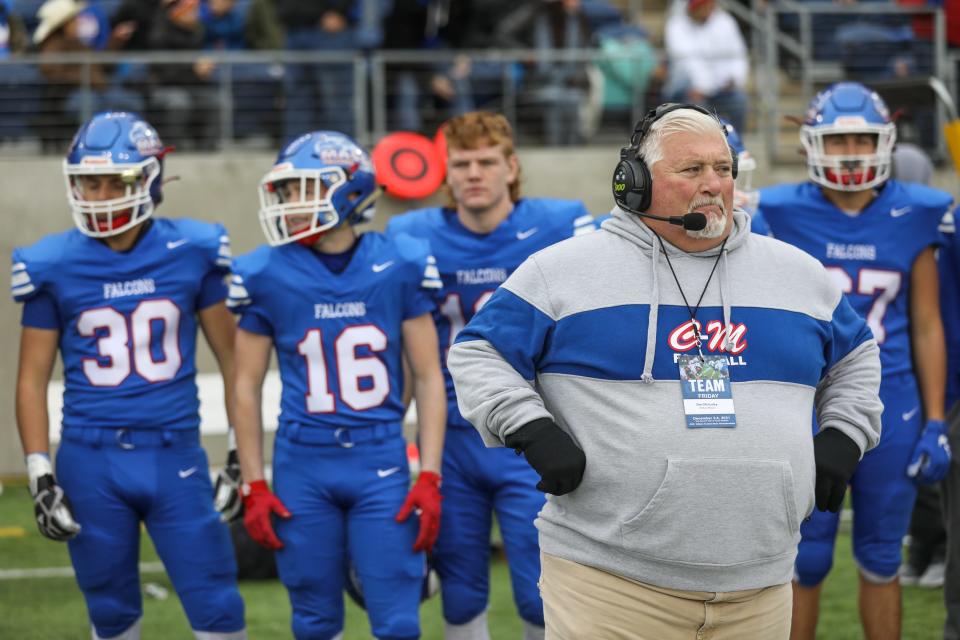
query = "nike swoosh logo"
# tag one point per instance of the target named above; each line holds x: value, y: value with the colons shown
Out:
x: 383, y: 473
x: 523, y: 235
x: 377, y: 268
x: 186, y: 473
x: 909, y: 414
x: 902, y: 211
x: 176, y: 243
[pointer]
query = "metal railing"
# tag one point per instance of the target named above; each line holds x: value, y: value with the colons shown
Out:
x: 265, y: 87
x: 256, y: 98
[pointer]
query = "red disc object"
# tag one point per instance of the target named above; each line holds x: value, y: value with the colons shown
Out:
x: 407, y: 165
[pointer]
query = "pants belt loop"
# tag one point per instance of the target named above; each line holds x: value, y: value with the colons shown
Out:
x: 91, y: 436
x: 167, y: 437
x: 292, y: 431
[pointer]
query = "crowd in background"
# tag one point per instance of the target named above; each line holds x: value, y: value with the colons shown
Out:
x: 560, y: 94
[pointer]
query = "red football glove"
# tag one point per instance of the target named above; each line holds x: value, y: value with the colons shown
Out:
x: 425, y: 496
x: 258, y: 504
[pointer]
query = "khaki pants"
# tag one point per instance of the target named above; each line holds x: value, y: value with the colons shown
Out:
x: 583, y: 603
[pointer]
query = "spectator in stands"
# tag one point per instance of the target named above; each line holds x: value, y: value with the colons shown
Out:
x: 182, y: 93
x: 254, y: 87
x: 263, y: 28
x: 13, y: 34
x: 73, y: 91
x: 427, y: 24
x: 557, y: 86
x: 707, y: 60
x: 136, y: 18
x: 19, y: 83
x: 319, y: 92
x: 223, y: 25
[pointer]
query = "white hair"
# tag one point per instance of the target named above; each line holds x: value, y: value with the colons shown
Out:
x: 678, y: 121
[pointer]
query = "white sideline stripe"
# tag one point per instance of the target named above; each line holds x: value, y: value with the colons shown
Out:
x: 65, y: 572
x: 213, y: 415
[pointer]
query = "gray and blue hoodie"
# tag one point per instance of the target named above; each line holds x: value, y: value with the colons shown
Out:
x: 587, y: 332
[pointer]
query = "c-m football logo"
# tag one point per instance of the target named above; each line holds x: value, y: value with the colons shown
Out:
x: 716, y: 338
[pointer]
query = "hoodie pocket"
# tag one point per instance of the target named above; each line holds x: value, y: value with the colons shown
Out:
x: 717, y: 512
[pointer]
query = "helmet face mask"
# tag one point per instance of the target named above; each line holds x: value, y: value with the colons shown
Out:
x: 296, y: 204
x: 101, y: 218
x: 114, y: 145
x: 843, y: 110
x: 320, y: 181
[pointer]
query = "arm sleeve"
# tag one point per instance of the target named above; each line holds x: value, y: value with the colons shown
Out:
x: 253, y: 317
x: 493, y: 362
x: 213, y: 287
x: 423, y: 298
x: 948, y: 263
x: 40, y: 312
x: 847, y: 397
x: 254, y: 321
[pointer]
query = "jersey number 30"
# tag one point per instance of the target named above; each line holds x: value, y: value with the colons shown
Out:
x: 120, y: 347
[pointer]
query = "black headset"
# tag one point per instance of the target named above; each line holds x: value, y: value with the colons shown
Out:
x: 632, y: 181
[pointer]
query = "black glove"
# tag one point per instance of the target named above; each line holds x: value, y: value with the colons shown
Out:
x: 836, y: 457
x: 552, y: 453
x: 52, y: 509
x: 226, y: 490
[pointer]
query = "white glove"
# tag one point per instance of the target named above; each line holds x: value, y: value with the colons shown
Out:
x: 54, y: 513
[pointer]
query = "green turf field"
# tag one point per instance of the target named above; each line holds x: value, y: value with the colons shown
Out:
x: 52, y: 608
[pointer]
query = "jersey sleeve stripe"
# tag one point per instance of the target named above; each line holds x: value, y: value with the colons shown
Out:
x: 25, y: 289
x: 19, y: 279
x: 238, y: 291
x: 18, y: 266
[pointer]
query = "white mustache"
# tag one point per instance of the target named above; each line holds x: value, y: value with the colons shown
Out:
x: 716, y: 200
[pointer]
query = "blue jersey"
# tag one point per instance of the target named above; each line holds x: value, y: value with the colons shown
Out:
x: 870, y: 255
x: 337, y: 336
x: 473, y: 265
x: 127, y: 321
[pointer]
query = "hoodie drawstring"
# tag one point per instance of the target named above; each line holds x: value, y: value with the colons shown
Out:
x: 647, y: 376
x: 725, y: 302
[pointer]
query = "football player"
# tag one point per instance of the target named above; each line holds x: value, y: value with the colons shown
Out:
x: 876, y: 236
x: 121, y: 296
x: 341, y: 310
x: 480, y: 237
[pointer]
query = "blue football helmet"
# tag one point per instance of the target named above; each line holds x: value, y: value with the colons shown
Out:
x: 114, y: 144
x: 845, y: 108
x: 319, y: 181
x: 745, y: 196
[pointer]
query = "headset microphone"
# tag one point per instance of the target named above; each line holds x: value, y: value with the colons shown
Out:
x: 693, y: 221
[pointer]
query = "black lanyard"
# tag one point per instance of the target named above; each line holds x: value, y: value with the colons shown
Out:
x: 693, y: 311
